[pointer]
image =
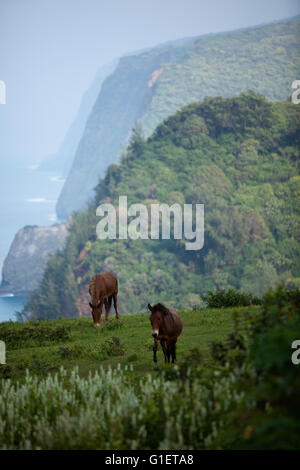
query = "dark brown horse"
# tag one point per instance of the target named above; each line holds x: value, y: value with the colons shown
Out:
x: 103, y: 289
x: 166, y: 327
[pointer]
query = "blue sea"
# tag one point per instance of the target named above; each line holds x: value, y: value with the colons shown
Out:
x: 10, y: 305
x: 27, y: 197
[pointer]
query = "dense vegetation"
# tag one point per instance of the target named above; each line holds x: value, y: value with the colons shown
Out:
x: 240, y: 157
x: 234, y: 386
x: 149, y: 86
x: 263, y: 58
x: 229, y: 298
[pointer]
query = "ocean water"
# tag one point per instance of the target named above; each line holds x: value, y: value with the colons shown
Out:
x: 27, y: 197
x: 10, y: 305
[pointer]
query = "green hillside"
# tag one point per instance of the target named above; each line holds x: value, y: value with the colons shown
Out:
x: 43, y: 347
x: 68, y: 385
x: 149, y: 86
x: 264, y: 59
x: 240, y: 157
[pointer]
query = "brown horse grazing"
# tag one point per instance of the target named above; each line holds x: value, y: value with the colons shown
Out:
x: 103, y: 288
x: 166, y: 327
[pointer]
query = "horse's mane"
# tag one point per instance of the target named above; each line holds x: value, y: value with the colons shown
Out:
x: 169, y: 320
x: 92, y: 287
x: 161, y: 308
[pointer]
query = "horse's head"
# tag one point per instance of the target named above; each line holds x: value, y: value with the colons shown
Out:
x: 96, y: 312
x: 158, y: 312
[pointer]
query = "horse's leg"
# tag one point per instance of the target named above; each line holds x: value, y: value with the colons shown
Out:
x: 115, y: 297
x: 155, y: 350
x: 173, y: 352
x: 169, y: 349
x: 106, y: 309
x: 99, y: 313
x: 164, y: 348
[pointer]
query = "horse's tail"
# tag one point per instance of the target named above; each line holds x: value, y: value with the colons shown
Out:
x: 109, y: 299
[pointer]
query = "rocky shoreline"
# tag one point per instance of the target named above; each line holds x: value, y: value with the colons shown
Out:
x: 24, y: 265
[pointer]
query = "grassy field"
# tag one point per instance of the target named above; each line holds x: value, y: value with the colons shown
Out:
x: 71, y: 386
x: 44, y: 346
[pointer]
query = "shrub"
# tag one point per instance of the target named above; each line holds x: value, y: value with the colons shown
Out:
x: 229, y: 298
x: 273, y: 423
x: 132, y: 357
x: 34, y: 332
x: 232, y: 351
x: 108, y: 410
x: 279, y: 306
x: 109, y: 348
x: 5, y: 371
x: 272, y: 332
x: 113, y: 347
x: 69, y: 351
x: 111, y: 324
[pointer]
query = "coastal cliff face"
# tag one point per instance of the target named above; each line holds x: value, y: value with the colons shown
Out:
x: 62, y: 161
x: 123, y: 96
x: 24, y: 265
x: 147, y: 87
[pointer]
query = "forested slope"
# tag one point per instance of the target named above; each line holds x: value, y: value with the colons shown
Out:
x: 149, y: 86
x: 240, y: 158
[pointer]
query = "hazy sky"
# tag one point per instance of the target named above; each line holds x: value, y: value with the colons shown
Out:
x: 50, y: 51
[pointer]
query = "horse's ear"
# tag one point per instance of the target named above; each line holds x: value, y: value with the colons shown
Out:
x: 90, y: 305
x: 150, y: 308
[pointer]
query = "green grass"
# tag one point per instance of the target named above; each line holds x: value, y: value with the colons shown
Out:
x: 93, y: 388
x: 88, y: 347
